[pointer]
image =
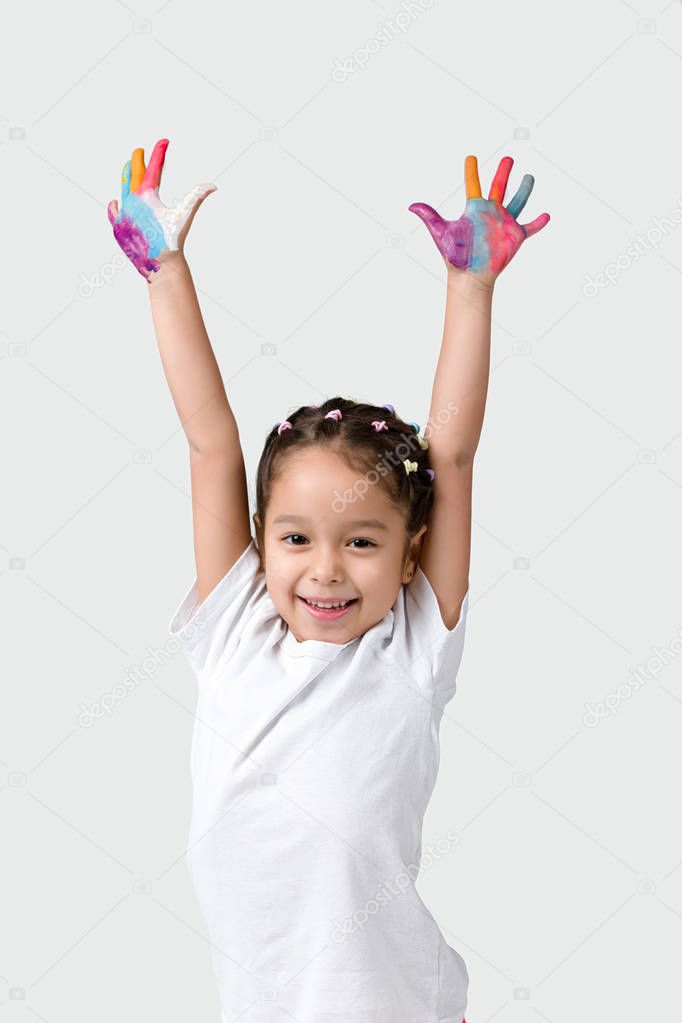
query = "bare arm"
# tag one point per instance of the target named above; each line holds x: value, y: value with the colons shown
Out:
x: 220, y: 507
x: 476, y: 248
x: 461, y: 382
x: 462, y: 370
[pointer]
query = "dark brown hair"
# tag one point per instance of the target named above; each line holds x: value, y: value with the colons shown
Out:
x: 378, y: 454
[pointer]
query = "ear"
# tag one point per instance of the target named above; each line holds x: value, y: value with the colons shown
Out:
x: 412, y: 558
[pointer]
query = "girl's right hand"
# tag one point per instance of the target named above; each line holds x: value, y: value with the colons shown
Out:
x: 148, y: 231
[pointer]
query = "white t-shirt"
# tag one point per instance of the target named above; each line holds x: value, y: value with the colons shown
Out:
x: 312, y: 766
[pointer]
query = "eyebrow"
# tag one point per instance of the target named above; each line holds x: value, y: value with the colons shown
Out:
x: 369, y: 523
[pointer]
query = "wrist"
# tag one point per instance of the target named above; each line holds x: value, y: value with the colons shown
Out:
x: 172, y: 265
x: 467, y: 287
x: 466, y: 281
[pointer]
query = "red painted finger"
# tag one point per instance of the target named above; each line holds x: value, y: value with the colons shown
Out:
x: 536, y: 225
x: 499, y: 185
x: 152, y: 177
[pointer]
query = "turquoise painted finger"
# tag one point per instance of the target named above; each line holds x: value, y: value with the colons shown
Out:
x: 520, y: 198
x: 125, y: 182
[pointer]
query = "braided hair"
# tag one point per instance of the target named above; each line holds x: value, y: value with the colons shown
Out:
x: 373, y: 441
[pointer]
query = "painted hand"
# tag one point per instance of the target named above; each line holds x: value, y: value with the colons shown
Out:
x: 146, y: 229
x: 487, y: 235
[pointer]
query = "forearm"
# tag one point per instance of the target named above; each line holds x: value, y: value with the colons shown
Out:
x: 461, y: 379
x: 188, y: 361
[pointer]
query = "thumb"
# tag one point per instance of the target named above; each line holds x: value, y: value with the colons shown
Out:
x: 431, y: 218
x: 112, y: 211
x: 191, y: 202
x: 426, y: 213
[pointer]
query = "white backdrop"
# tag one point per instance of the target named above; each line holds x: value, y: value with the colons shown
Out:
x: 564, y: 890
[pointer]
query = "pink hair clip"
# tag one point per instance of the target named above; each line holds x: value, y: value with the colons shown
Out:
x: 379, y: 424
x: 286, y: 425
x: 334, y: 414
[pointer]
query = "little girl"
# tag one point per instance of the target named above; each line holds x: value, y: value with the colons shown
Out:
x: 326, y: 649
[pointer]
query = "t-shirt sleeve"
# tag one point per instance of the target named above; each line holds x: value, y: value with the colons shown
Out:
x: 206, y: 631
x: 431, y: 653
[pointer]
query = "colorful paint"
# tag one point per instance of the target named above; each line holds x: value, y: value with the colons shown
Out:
x: 487, y: 236
x: 143, y: 226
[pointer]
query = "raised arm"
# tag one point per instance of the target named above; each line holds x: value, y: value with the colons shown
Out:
x: 152, y: 236
x: 476, y: 248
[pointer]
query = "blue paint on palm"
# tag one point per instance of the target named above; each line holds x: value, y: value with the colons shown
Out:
x: 144, y: 219
x: 140, y: 215
x: 480, y: 249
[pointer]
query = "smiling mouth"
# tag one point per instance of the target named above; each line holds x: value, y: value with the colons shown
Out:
x: 328, y: 603
x: 327, y: 610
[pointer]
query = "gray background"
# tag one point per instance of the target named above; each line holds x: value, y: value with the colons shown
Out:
x: 564, y: 890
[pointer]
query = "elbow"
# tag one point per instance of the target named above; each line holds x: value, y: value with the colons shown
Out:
x: 459, y: 458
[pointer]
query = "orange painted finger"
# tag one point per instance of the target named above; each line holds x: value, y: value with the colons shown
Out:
x: 473, y: 185
x: 499, y: 185
x: 152, y: 176
x: 137, y: 169
x: 536, y: 225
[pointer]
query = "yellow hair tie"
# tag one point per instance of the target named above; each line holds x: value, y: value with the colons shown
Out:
x: 410, y: 466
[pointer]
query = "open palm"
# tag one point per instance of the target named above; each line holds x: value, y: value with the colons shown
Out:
x: 144, y: 227
x: 487, y: 235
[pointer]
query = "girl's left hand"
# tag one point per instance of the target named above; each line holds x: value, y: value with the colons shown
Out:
x: 487, y: 235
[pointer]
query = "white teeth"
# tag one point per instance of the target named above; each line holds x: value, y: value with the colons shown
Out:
x: 327, y: 607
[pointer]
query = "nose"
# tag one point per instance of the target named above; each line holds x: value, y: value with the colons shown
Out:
x: 326, y: 568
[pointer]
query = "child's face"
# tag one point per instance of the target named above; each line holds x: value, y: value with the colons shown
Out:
x: 313, y: 546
